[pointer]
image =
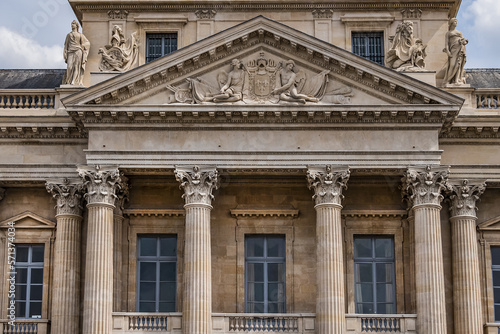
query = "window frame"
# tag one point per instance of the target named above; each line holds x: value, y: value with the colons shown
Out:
x: 163, y: 39
x: 367, y: 35
x: 158, y: 259
x: 159, y: 26
x: 373, y: 223
x: 266, y: 260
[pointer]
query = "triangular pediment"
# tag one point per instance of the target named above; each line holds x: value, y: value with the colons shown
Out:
x: 347, y: 78
x: 492, y: 224
x: 28, y: 220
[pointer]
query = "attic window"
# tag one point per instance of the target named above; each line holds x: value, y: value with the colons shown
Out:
x: 369, y: 45
x: 159, y: 45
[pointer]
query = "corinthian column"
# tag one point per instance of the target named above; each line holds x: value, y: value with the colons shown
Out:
x: 197, y: 184
x: 423, y: 186
x: 328, y: 184
x: 466, y: 279
x: 101, y: 184
x: 66, y: 291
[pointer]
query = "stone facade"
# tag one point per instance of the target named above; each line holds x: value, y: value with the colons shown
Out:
x: 265, y: 125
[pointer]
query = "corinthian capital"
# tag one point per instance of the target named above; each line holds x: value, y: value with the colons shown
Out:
x: 68, y: 194
x: 197, y: 183
x: 327, y: 183
x: 423, y: 185
x: 101, y: 183
x: 463, y: 197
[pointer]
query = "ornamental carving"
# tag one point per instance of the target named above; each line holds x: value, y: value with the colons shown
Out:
x: 101, y: 183
x: 122, y: 195
x: 453, y: 72
x: 463, y: 197
x: 327, y: 184
x: 261, y: 80
x: 423, y: 186
x: 121, y: 54
x: 205, y: 14
x: 68, y: 195
x: 118, y: 14
x: 322, y: 13
x: 406, y: 53
x: 198, y: 184
x: 411, y: 13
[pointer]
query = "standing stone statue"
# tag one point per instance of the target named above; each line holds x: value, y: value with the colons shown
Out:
x: 455, y: 49
x: 76, y: 50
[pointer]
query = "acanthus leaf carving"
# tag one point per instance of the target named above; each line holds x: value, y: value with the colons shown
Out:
x: 68, y: 194
x: 464, y: 196
x: 328, y: 183
x: 197, y: 183
x: 101, y: 184
x: 424, y: 185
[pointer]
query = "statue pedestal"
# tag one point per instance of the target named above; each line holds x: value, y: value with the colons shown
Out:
x: 96, y: 77
x: 428, y: 77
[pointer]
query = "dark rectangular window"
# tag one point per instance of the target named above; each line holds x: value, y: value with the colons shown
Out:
x: 157, y: 273
x: 495, y: 267
x: 265, y: 272
x: 374, y: 275
x: 159, y: 45
x: 369, y: 45
x: 29, y: 281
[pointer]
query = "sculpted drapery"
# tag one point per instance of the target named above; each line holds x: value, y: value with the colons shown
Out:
x: 76, y: 50
x: 455, y: 49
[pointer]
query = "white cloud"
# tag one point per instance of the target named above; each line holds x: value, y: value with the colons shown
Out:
x: 18, y: 51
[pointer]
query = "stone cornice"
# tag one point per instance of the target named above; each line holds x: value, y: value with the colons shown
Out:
x: 464, y: 196
x: 197, y: 183
x: 155, y: 212
x: 424, y: 185
x: 101, y: 183
x: 41, y: 131
x: 375, y: 213
x: 68, y: 194
x: 327, y: 183
x: 252, y: 212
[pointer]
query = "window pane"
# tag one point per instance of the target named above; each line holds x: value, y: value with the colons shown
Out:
x: 148, y: 271
x: 496, y: 278
x: 275, y: 292
x: 383, y: 308
x: 168, y: 246
x: 495, y: 256
x: 255, y: 292
x: 148, y: 247
x: 21, y: 275
x: 255, y: 247
x: 167, y: 307
x: 147, y: 307
x: 496, y: 295
x: 367, y: 308
x: 167, y: 292
x: 364, y: 272
x: 37, y: 254
x: 147, y: 291
x: 37, y: 275
x: 385, y: 293
x: 385, y: 272
x: 255, y: 272
x: 384, y: 248
x: 275, y: 247
x: 20, y: 292
x: 168, y: 271
x: 20, y: 309
x: 276, y: 272
x: 22, y: 253
x: 362, y: 247
x: 36, y: 292
x: 364, y: 293
x: 35, y: 309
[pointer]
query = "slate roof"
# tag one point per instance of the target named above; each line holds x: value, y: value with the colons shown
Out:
x: 30, y: 79
x: 483, y: 77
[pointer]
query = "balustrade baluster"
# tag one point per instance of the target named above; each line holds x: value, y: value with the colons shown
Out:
x: 1, y: 101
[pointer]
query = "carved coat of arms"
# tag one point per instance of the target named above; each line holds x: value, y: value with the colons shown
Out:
x: 261, y: 78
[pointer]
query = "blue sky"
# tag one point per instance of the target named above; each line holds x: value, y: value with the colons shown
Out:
x: 33, y: 32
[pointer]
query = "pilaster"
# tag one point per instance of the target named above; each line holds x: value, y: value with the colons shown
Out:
x: 67, y: 255
x: 118, y: 221
x: 466, y: 274
x: 102, y: 184
x: 327, y: 184
x: 198, y: 184
x: 422, y: 186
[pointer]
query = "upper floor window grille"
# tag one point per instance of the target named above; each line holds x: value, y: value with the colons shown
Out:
x: 29, y: 281
x: 157, y: 273
x: 495, y: 267
x: 369, y: 45
x: 265, y: 273
x: 159, y: 45
x: 374, y: 275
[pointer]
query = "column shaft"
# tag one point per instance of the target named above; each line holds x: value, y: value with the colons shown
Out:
x: 66, y: 293
x: 197, y: 301
x: 330, y: 304
x: 98, y: 300
x: 466, y: 281
x: 429, y: 270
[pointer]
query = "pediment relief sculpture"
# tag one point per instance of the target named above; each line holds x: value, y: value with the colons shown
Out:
x: 121, y: 54
x: 406, y: 53
x: 454, y: 72
x: 261, y: 81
